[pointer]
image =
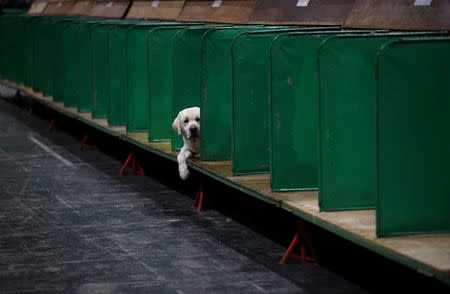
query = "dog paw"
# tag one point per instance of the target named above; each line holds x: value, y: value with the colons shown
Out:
x: 184, y: 174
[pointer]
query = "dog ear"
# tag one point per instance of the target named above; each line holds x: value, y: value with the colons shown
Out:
x: 176, y: 125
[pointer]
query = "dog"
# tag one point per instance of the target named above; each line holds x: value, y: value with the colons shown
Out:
x: 187, y: 124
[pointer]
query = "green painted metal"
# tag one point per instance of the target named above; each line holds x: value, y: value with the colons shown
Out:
x: 12, y: 58
x: 59, y: 71
x: 44, y: 65
x: 215, y: 102
x: 50, y: 51
x: 250, y: 104
x: 28, y: 51
x: 69, y: 86
x: 17, y: 50
x: 160, y: 50
x: 294, y: 110
x: 347, y: 120
x: 85, y: 63
x: 117, y: 74
x: 100, y: 54
x: 137, y: 76
x: 413, y: 137
x: 186, y: 73
x: 84, y: 67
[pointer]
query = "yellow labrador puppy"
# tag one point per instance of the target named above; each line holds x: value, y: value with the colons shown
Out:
x: 187, y: 124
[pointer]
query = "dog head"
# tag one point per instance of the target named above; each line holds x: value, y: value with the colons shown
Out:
x: 187, y: 123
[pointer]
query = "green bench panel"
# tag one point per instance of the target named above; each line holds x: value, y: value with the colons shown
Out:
x: 215, y: 102
x: 250, y: 102
x: 347, y: 91
x: 294, y: 109
x: 413, y: 137
x: 137, y: 76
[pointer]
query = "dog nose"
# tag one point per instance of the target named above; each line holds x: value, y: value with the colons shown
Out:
x: 193, y: 128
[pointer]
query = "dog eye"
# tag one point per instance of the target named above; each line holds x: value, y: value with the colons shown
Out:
x: 197, y: 119
x: 186, y: 121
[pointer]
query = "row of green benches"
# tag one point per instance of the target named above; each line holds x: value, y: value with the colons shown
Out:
x: 363, y: 116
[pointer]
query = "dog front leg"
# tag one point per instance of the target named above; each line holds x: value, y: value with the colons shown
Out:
x: 182, y: 165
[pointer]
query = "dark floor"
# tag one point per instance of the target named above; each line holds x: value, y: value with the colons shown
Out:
x: 70, y: 224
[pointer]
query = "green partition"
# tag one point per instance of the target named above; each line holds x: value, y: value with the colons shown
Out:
x: 84, y: 67
x: 117, y: 74
x: 250, y: 104
x: 294, y: 111
x: 8, y: 46
x: 100, y: 57
x: 51, y: 54
x: 59, y: 71
x: 44, y: 66
x: 347, y: 120
x: 69, y: 85
x: 186, y: 73
x: 18, y: 49
x: 413, y: 137
x: 215, y: 102
x: 28, y: 51
x: 137, y: 76
x: 159, y: 50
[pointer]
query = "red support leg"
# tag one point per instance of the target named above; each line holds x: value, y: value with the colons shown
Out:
x: 126, y: 163
x: 303, y: 237
x: 83, y: 141
x: 52, y: 122
x: 135, y: 166
x: 140, y: 170
x: 199, y: 197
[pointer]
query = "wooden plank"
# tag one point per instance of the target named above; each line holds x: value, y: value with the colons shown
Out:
x: 428, y: 254
x: 312, y: 12
x: 37, y: 7
x: 225, y: 11
x: 82, y: 8
x: 400, y: 15
x: 155, y: 10
x: 109, y: 9
x: 62, y: 7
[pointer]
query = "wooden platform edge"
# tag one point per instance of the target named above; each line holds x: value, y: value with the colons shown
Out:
x: 443, y: 276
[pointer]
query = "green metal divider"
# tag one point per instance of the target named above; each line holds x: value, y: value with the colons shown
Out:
x: 28, y: 51
x: 413, y: 137
x: 215, y: 102
x: 59, y: 70
x: 117, y: 74
x: 250, y: 103
x: 16, y: 54
x: 69, y: 86
x: 347, y: 120
x: 42, y: 74
x: 7, y: 44
x: 294, y: 110
x: 100, y: 64
x: 137, y: 76
x: 186, y: 73
x: 160, y: 50
x: 85, y: 66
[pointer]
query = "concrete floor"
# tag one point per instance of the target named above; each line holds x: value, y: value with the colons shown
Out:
x: 70, y: 224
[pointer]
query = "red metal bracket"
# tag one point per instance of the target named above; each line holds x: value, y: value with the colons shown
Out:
x: 50, y: 126
x: 85, y: 138
x: 198, y: 202
x: 135, y: 166
x: 303, y: 237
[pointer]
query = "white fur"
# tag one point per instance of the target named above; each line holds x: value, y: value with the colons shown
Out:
x: 184, y: 124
